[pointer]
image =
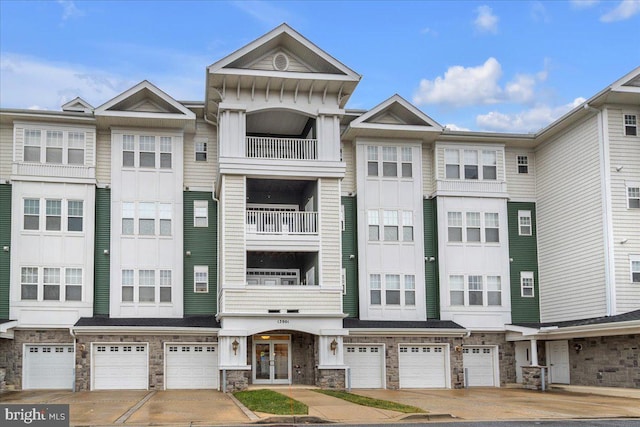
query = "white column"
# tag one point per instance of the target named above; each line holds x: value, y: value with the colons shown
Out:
x: 534, y: 353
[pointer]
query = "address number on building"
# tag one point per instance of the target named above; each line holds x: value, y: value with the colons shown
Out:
x: 282, y: 321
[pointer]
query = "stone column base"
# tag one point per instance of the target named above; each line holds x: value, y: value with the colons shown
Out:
x: 235, y: 381
x: 532, y: 377
x: 331, y: 378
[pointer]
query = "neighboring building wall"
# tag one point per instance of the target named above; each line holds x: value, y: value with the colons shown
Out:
x: 570, y: 225
x: 521, y: 186
x: 350, y: 265
x: 103, y: 157
x: 199, y: 174
x: 428, y: 171
x: 348, y: 184
x: 330, y: 234
x: 624, y: 152
x: 431, y: 276
x: 102, y: 263
x: 202, y: 243
x: 6, y: 151
x: 5, y: 256
x: 524, y: 253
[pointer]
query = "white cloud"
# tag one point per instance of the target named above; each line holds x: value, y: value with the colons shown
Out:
x: 264, y: 12
x: 625, y: 10
x: 69, y: 9
x: 583, y: 4
x: 429, y: 31
x: 452, y: 126
x: 486, y: 21
x: 463, y: 86
x: 539, y: 13
x: 530, y: 120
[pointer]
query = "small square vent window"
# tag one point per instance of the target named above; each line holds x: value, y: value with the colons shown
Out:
x: 280, y: 62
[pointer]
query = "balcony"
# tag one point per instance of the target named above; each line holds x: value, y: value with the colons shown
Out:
x: 282, y: 222
x: 54, y: 170
x: 281, y: 148
x: 469, y: 186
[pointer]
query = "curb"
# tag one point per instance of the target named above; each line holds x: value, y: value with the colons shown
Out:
x: 295, y: 419
x: 244, y: 409
x: 427, y: 417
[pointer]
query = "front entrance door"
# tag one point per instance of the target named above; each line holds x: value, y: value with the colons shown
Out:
x: 271, y: 359
x: 558, y: 360
x: 523, y: 348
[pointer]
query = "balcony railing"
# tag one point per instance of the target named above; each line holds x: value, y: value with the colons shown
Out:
x: 282, y: 222
x: 273, y: 277
x: 282, y: 148
x: 54, y: 170
x: 471, y: 186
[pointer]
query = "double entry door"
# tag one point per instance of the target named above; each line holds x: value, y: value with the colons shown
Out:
x: 271, y: 359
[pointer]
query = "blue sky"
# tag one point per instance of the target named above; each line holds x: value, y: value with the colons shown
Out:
x: 506, y: 66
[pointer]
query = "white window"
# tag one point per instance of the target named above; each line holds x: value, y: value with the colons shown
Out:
x: 475, y: 290
x: 633, y: 197
x: 128, y: 150
x: 407, y: 162
x: 524, y: 223
x: 32, y: 145
x: 51, y: 281
x: 526, y: 284
x: 146, y: 285
x: 165, y: 214
x: 147, y: 151
x: 165, y: 285
x: 454, y: 226
x: 29, y: 283
x: 375, y: 289
x: 494, y: 290
x: 470, y: 164
x: 73, y: 284
x: 374, y: 225
x: 74, y: 215
x: 407, y: 226
x: 452, y: 164
x: 489, y: 165
x: 392, y: 289
x: 473, y: 226
x: 635, y: 270
x: 409, y: 289
x: 491, y: 227
x: 523, y: 164
x: 146, y: 221
x: 165, y: 152
x: 31, y: 214
x: 372, y: 161
x: 54, y: 215
x: 389, y: 161
x: 201, y: 150
x: 201, y: 279
x: 75, y: 148
x: 342, y: 223
x: 630, y: 125
x: 456, y: 289
x: 127, y: 285
x: 54, y: 147
x: 391, y: 226
x: 128, y: 214
x: 200, y: 213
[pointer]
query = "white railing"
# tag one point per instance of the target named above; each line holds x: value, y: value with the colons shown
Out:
x: 471, y: 186
x: 54, y: 170
x: 282, y: 222
x: 273, y: 277
x: 282, y: 148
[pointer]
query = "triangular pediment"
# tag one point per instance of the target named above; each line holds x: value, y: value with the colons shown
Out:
x: 396, y: 112
x: 77, y: 105
x: 145, y: 99
x: 628, y: 83
x: 283, y: 50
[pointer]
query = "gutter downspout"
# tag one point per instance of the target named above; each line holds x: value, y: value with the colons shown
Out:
x: 605, y: 179
x: 75, y: 348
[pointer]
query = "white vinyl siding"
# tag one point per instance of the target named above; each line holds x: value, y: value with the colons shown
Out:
x: 103, y: 158
x: 201, y: 174
x: 308, y: 300
x: 520, y: 186
x: 428, y: 179
x: 624, y: 151
x: 233, y: 226
x: 331, y: 259
x: 348, y: 184
x: 6, y: 151
x: 573, y: 232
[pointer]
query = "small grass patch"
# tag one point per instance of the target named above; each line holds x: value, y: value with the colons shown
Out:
x: 271, y: 402
x: 371, y: 402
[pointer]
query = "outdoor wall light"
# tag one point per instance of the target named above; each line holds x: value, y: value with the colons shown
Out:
x: 106, y: 251
x: 234, y: 346
x: 333, y: 346
x: 5, y: 248
x: 352, y: 256
x: 577, y: 348
x: 188, y: 253
x: 458, y: 348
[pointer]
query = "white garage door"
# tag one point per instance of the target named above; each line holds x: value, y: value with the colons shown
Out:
x: 422, y: 366
x: 191, y: 366
x: 367, y: 365
x: 120, y: 367
x: 479, y: 364
x: 48, y: 367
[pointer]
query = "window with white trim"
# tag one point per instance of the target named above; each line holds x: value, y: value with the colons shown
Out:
x: 633, y: 197
x: 73, y: 284
x: 390, y: 226
x: 526, y: 284
x: 389, y: 161
x: 392, y: 289
x: 409, y: 289
x: 201, y: 150
x: 454, y: 226
x: 51, y: 283
x: 147, y: 145
x: 128, y: 215
x: 407, y: 226
x: 525, y: 226
x: 478, y: 227
x: 32, y: 145
x: 375, y: 289
x: 146, y: 285
x: 59, y: 215
x: 456, y: 289
x: 75, y: 214
x: 631, y: 125
x: 523, y: 163
x: 407, y: 162
x: 491, y: 227
x: 127, y: 285
x: 52, y: 146
x: 128, y: 150
x: 494, y: 290
x: 490, y: 165
x: 165, y: 285
x: 473, y: 226
x: 165, y: 214
x: 31, y: 214
x: 29, y: 283
x: 452, y: 164
x: 471, y: 164
x: 165, y: 152
x: 75, y: 148
x: 475, y: 286
x: 146, y: 219
x: 201, y: 279
x: 53, y: 220
x: 635, y: 270
x: 374, y: 224
x: 200, y: 213
x: 372, y: 161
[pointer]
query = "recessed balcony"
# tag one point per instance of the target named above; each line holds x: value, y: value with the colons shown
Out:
x: 260, y: 147
x: 281, y: 222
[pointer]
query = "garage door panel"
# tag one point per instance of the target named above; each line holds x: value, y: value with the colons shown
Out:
x: 49, y: 367
x: 191, y: 366
x: 120, y: 367
x: 422, y: 366
x: 366, y: 364
x: 479, y: 365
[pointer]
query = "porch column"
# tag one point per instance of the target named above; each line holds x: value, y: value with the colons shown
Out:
x: 331, y: 367
x: 534, y: 352
x: 232, y: 359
